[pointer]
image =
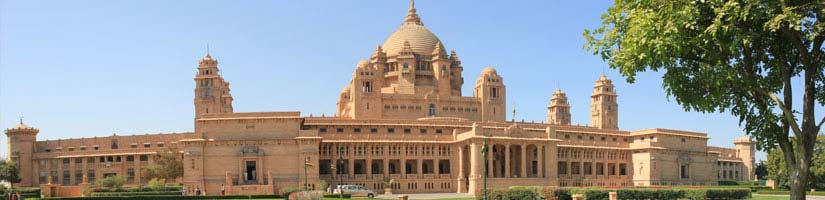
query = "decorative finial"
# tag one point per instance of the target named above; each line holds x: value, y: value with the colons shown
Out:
x: 412, y: 4
x: 207, y: 49
x: 514, y: 113
x: 412, y: 17
x: 21, y: 119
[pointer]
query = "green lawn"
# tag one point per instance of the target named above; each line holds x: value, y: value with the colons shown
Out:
x: 756, y: 197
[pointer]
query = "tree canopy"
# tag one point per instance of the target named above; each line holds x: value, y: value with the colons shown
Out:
x: 9, y: 172
x: 738, y: 57
x: 167, y: 166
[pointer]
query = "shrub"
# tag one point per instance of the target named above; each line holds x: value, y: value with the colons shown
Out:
x: 111, y: 182
x: 596, y: 194
x: 493, y: 194
x: 287, y: 191
x: 169, y: 197
x: 521, y: 193
x: 552, y: 193
x: 330, y: 195
x: 150, y: 193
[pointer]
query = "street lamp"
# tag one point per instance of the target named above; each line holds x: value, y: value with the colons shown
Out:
x: 484, y: 176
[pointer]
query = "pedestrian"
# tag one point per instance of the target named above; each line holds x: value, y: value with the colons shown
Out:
x: 197, y: 190
x: 223, y: 190
x: 183, y: 191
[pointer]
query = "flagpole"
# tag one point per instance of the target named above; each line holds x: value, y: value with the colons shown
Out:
x: 306, y: 180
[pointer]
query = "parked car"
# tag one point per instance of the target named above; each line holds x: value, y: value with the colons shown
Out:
x: 355, y: 191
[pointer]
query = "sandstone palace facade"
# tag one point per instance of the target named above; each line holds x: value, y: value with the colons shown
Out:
x: 402, y: 116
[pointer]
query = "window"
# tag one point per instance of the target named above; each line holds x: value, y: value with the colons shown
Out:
x: 322, y: 130
x: 78, y: 160
x: 562, y: 168
x: 438, y: 131
x: 493, y: 92
x: 423, y: 131
x: 160, y: 145
x: 340, y: 130
x: 579, y: 137
x: 622, y: 169
x: 357, y: 130
x: 391, y: 130
x: 144, y: 158
x: 575, y: 168
x: 90, y: 160
x: 373, y: 130
x: 406, y: 130
x: 431, y: 112
x: 130, y: 158
x: 147, y: 145
x: 684, y: 171
x: 683, y: 139
x: 603, y: 139
x: 599, y: 168
x: 566, y: 136
x: 114, y: 144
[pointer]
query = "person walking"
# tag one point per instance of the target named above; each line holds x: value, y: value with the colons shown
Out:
x: 197, y: 190
x: 183, y: 191
x: 223, y: 190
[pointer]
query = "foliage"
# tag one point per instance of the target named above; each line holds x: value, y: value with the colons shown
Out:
x: 521, y: 193
x: 738, y: 57
x: 335, y: 196
x: 150, y: 193
x: 777, y: 169
x: 761, y: 170
x: 111, y: 182
x: 493, y: 194
x: 9, y: 172
x: 167, y: 165
x: 323, y: 185
x: 170, y: 197
x: 556, y: 193
x: 287, y: 191
x: 167, y: 188
x: 786, y: 192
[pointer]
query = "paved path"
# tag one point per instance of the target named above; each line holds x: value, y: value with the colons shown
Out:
x: 428, y: 196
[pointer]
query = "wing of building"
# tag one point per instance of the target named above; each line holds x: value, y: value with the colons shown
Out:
x: 402, y: 116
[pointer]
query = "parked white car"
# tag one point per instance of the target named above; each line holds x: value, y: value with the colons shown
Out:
x: 355, y: 191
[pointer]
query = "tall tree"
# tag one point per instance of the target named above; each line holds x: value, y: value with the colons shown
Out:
x: 9, y: 172
x: 778, y: 171
x: 737, y: 56
x: 167, y: 165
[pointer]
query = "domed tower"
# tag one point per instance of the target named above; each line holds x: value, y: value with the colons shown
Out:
x: 604, y: 109
x: 211, y: 90
x: 491, y: 92
x: 745, y: 151
x: 558, y: 111
x: 21, y: 140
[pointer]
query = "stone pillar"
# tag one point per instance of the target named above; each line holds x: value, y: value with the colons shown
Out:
x: 476, y: 165
x: 523, y: 161
x: 507, y: 172
x: 540, y: 161
x: 386, y: 167
x: 350, y: 157
x: 436, y: 168
x: 613, y: 196
x: 419, y: 167
x: 460, y: 182
x: 578, y: 197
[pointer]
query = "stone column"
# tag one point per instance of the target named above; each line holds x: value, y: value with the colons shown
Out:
x: 369, y: 160
x: 523, y: 161
x: 419, y: 167
x: 436, y: 167
x: 476, y: 165
x: 540, y: 161
x: 460, y: 181
x: 507, y: 161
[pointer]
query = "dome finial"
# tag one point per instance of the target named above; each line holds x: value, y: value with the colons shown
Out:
x: 21, y: 119
x: 412, y: 17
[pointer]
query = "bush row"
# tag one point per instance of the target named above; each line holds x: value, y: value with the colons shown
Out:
x: 171, y: 197
x: 744, y: 183
x: 118, y: 194
x: 328, y: 195
x: 140, y: 189
x: 530, y: 193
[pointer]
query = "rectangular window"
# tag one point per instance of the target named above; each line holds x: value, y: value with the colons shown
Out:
x: 91, y: 176
x: 66, y: 177
x: 90, y: 160
x: 611, y: 169
x: 322, y: 130
x: 684, y: 171
x: 78, y: 176
x: 406, y: 130
x: 575, y: 168
x: 160, y: 145
x: 147, y: 145
x: 144, y: 158
x: 340, y: 130
x: 130, y: 158
x: 588, y: 170
x: 438, y: 131
x: 562, y: 168
x: 622, y: 169
x: 130, y: 175
x: 78, y: 160
x: 423, y: 131
x: 599, y: 168
x: 390, y: 130
x: 357, y: 130
x: 373, y: 130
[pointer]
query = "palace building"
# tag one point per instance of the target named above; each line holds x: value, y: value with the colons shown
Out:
x: 403, y: 117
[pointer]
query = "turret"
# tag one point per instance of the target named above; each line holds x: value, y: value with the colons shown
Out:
x: 21, y: 140
x: 558, y: 111
x: 456, y: 70
x: 490, y: 91
x: 365, y: 90
x: 604, y: 109
x: 211, y: 90
x: 441, y: 70
x: 745, y: 151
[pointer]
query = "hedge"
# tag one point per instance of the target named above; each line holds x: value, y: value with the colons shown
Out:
x: 30, y: 192
x: 603, y: 194
x: 118, y: 194
x: 140, y: 189
x: 346, y: 196
x: 171, y: 197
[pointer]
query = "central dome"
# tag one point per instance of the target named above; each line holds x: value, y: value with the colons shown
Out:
x: 413, y: 31
x: 421, y: 40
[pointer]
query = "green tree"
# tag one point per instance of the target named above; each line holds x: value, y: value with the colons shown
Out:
x: 735, y: 56
x: 111, y: 182
x: 9, y: 172
x: 777, y: 170
x: 167, y: 166
x: 761, y: 170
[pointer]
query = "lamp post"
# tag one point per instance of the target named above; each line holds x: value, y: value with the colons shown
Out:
x: 306, y: 179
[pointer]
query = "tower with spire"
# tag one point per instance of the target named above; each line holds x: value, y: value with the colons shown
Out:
x: 211, y: 90
x: 558, y: 111
x: 604, y: 108
x: 21, y: 148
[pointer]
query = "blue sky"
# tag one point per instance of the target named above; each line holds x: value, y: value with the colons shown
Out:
x: 95, y: 68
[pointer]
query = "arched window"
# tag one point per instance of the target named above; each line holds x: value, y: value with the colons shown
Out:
x: 432, y: 111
